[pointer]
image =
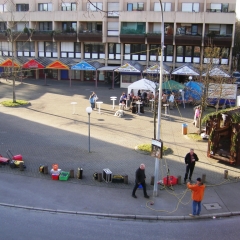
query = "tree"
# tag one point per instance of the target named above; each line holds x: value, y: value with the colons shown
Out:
x: 12, y: 36
x: 236, y: 49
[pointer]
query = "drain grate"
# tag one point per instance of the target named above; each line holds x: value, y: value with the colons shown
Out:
x: 212, y: 206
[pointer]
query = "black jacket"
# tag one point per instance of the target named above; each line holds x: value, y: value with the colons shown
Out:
x: 140, y: 175
x: 188, y: 158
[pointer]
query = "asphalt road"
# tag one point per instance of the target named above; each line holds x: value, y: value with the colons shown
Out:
x: 24, y: 224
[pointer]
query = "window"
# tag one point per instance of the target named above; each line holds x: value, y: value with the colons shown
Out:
x: 45, y: 7
x: 5, y: 49
x: 135, y: 52
x: 69, y: 6
x: 155, y: 54
x: 113, y: 29
x: 47, y: 49
x: 188, y: 54
x: 3, y: 26
x: 94, y: 6
x: 190, y: 7
x: 91, y: 27
x: 25, y: 49
x: 45, y: 26
x: 70, y: 50
x: 22, y: 7
x: 94, y: 51
x: 3, y: 8
x: 69, y: 27
x: 114, y: 50
x: 113, y: 9
x: 133, y: 28
x: 135, y: 7
x: 187, y: 29
x: 196, y: 51
x: 166, y: 7
x: 219, y: 7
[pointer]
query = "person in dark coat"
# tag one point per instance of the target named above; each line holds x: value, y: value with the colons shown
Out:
x: 190, y: 160
x: 140, y: 179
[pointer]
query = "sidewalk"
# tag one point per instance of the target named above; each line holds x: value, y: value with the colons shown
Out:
x: 47, y: 132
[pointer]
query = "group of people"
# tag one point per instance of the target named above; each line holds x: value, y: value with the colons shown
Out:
x: 197, y: 189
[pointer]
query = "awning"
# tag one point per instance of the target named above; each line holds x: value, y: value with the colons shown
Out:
x: 186, y: 69
x: 108, y: 68
x: 87, y: 65
x: 155, y: 69
x: 217, y: 72
x: 130, y: 67
x: 37, y: 63
x: 62, y: 63
x: 17, y: 62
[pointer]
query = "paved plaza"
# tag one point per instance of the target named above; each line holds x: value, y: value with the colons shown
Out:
x: 47, y: 132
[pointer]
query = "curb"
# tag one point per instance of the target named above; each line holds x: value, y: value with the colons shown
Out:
x: 127, y: 217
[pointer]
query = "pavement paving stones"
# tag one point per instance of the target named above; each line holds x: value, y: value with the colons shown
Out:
x: 46, y: 132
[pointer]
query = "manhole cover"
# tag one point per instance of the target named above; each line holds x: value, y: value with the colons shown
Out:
x: 211, y: 206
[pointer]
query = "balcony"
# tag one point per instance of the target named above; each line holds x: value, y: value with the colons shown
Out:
x: 132, y: 36
x: 3, y: 36
x: 90, y: 36
x: 65, y: 36
x: 218, y: 40
x: 42, y: 36
x: 20, y: 36
x: 185, y: 39
x: 155, y: 38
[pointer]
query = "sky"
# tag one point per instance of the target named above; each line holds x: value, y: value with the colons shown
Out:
x: 238, y: 9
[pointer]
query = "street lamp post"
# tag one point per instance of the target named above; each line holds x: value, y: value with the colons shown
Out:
x: 156, y: 171
x: 89, y: 110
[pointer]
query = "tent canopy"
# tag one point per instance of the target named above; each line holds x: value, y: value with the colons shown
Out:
x: 172, y: 85
x: 155, y: 69
x: 193, y: 90
x: 142, y: 84
x: 187, y: 70
x: 217, y: 72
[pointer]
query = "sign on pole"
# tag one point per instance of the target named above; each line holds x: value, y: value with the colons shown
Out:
x: 157, y: 148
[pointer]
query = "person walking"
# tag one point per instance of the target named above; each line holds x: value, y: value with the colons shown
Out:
x: 190, y: 160
x: 140, y: 179
x: 196, y: 117
x: 171, y: 101
x: 197, y: 196
x: 92, y: 100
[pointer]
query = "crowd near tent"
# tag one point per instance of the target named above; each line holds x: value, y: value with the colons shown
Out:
x: 142, y: 84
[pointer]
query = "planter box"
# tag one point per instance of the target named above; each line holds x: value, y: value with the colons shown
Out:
x: 118, y: 179
x: 64, y: 176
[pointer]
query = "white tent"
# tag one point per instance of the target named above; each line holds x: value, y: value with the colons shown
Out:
x: 143, y: 84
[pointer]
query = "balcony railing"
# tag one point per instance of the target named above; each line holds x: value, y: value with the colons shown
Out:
x: 69, y: 36
x: 42, y: 35
x: 218, y: 40
x: 90, y: 35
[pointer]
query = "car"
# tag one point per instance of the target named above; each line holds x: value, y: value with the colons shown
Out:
x: 236, y: 75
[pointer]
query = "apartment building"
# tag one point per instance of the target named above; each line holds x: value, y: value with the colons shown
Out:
x: 114, y: 32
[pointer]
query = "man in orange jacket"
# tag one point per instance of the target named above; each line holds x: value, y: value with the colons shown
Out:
x: 197, y: 196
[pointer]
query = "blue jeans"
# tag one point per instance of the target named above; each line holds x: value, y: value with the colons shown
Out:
x: 196, y: 207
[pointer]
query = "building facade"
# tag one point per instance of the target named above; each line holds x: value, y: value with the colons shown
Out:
x: 113, y: 32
